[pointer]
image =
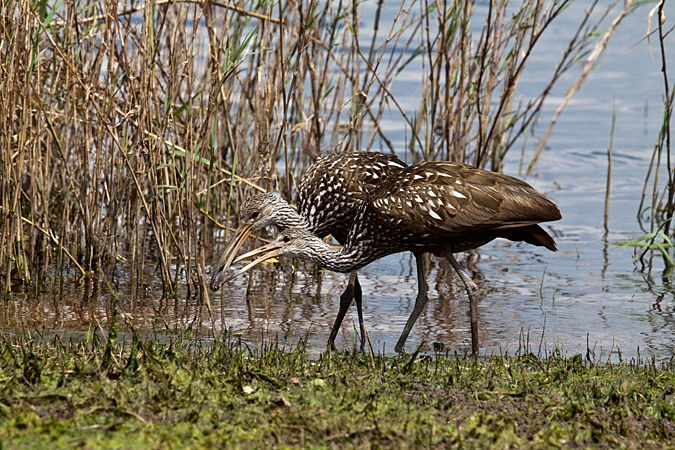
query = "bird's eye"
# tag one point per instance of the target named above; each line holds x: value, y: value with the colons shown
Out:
x: 287, y: 239
x: 255, y: 215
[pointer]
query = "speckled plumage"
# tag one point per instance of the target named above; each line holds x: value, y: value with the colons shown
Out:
x: 330, y: 195
x: 332, y: 189
x: 437, y: 207
x: 442, y: 207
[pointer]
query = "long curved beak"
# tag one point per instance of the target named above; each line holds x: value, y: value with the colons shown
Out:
x: 226, y: 259
x: 268, y: 251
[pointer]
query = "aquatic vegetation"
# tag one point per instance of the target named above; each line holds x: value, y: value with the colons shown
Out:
x: 657, y: 205
x: 182, y: 393
x: 651, y: 242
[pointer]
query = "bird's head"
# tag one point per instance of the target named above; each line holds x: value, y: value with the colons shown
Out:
x: 262, y: 210
x: 256, y: 213
x: 291, y: 243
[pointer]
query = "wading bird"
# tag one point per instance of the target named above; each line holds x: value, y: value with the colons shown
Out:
x: 437, y: 207
x: 330, y: 194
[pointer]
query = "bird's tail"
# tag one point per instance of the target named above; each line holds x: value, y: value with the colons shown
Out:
x: 532, y: 234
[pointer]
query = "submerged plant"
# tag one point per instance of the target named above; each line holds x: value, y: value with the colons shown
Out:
x: 650, y: 242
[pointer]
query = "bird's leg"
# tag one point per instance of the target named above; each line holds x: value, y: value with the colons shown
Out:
x: 420, y: 303
x: 358, y: 299
x: 471, y: 290
x: 345, y: 301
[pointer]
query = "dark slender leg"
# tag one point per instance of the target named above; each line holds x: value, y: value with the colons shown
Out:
x: 345, y: 301
x: 358, y: 298
x: 471, y: 290
x: 420, y: 303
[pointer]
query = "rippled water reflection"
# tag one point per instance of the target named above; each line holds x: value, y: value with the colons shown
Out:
x: 585, y: 293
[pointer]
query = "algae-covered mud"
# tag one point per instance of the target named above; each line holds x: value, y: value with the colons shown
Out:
x: 89, y: 393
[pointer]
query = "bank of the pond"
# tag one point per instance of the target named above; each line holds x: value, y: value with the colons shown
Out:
x: 91, y: 393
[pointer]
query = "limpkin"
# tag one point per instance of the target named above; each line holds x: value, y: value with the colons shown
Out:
x: 330, y: 194
x: 437, y: 207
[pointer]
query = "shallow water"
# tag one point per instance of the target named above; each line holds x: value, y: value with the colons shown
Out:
x: 586, y: 294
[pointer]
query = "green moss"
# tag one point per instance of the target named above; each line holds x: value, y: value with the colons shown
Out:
x: 193, y: 394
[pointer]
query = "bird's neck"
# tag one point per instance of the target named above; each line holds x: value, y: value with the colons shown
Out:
x: 291, y: 219
x: 340, y: 259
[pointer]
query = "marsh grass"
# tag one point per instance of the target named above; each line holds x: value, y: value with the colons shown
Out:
x: 131, y: 132
x: 657, y: 205
x: 96, y: 392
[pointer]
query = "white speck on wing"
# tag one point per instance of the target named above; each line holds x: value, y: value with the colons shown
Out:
x: 434, y: 215
x: 458, y: 194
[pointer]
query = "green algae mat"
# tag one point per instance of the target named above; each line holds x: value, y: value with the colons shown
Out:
x: 96, y: 392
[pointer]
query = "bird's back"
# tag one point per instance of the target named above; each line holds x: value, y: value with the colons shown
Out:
x: 439, y: 206
x: 333, y: 189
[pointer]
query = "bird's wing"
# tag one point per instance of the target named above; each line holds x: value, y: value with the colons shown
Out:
x: 334, y: 187
x: 449, y: 199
